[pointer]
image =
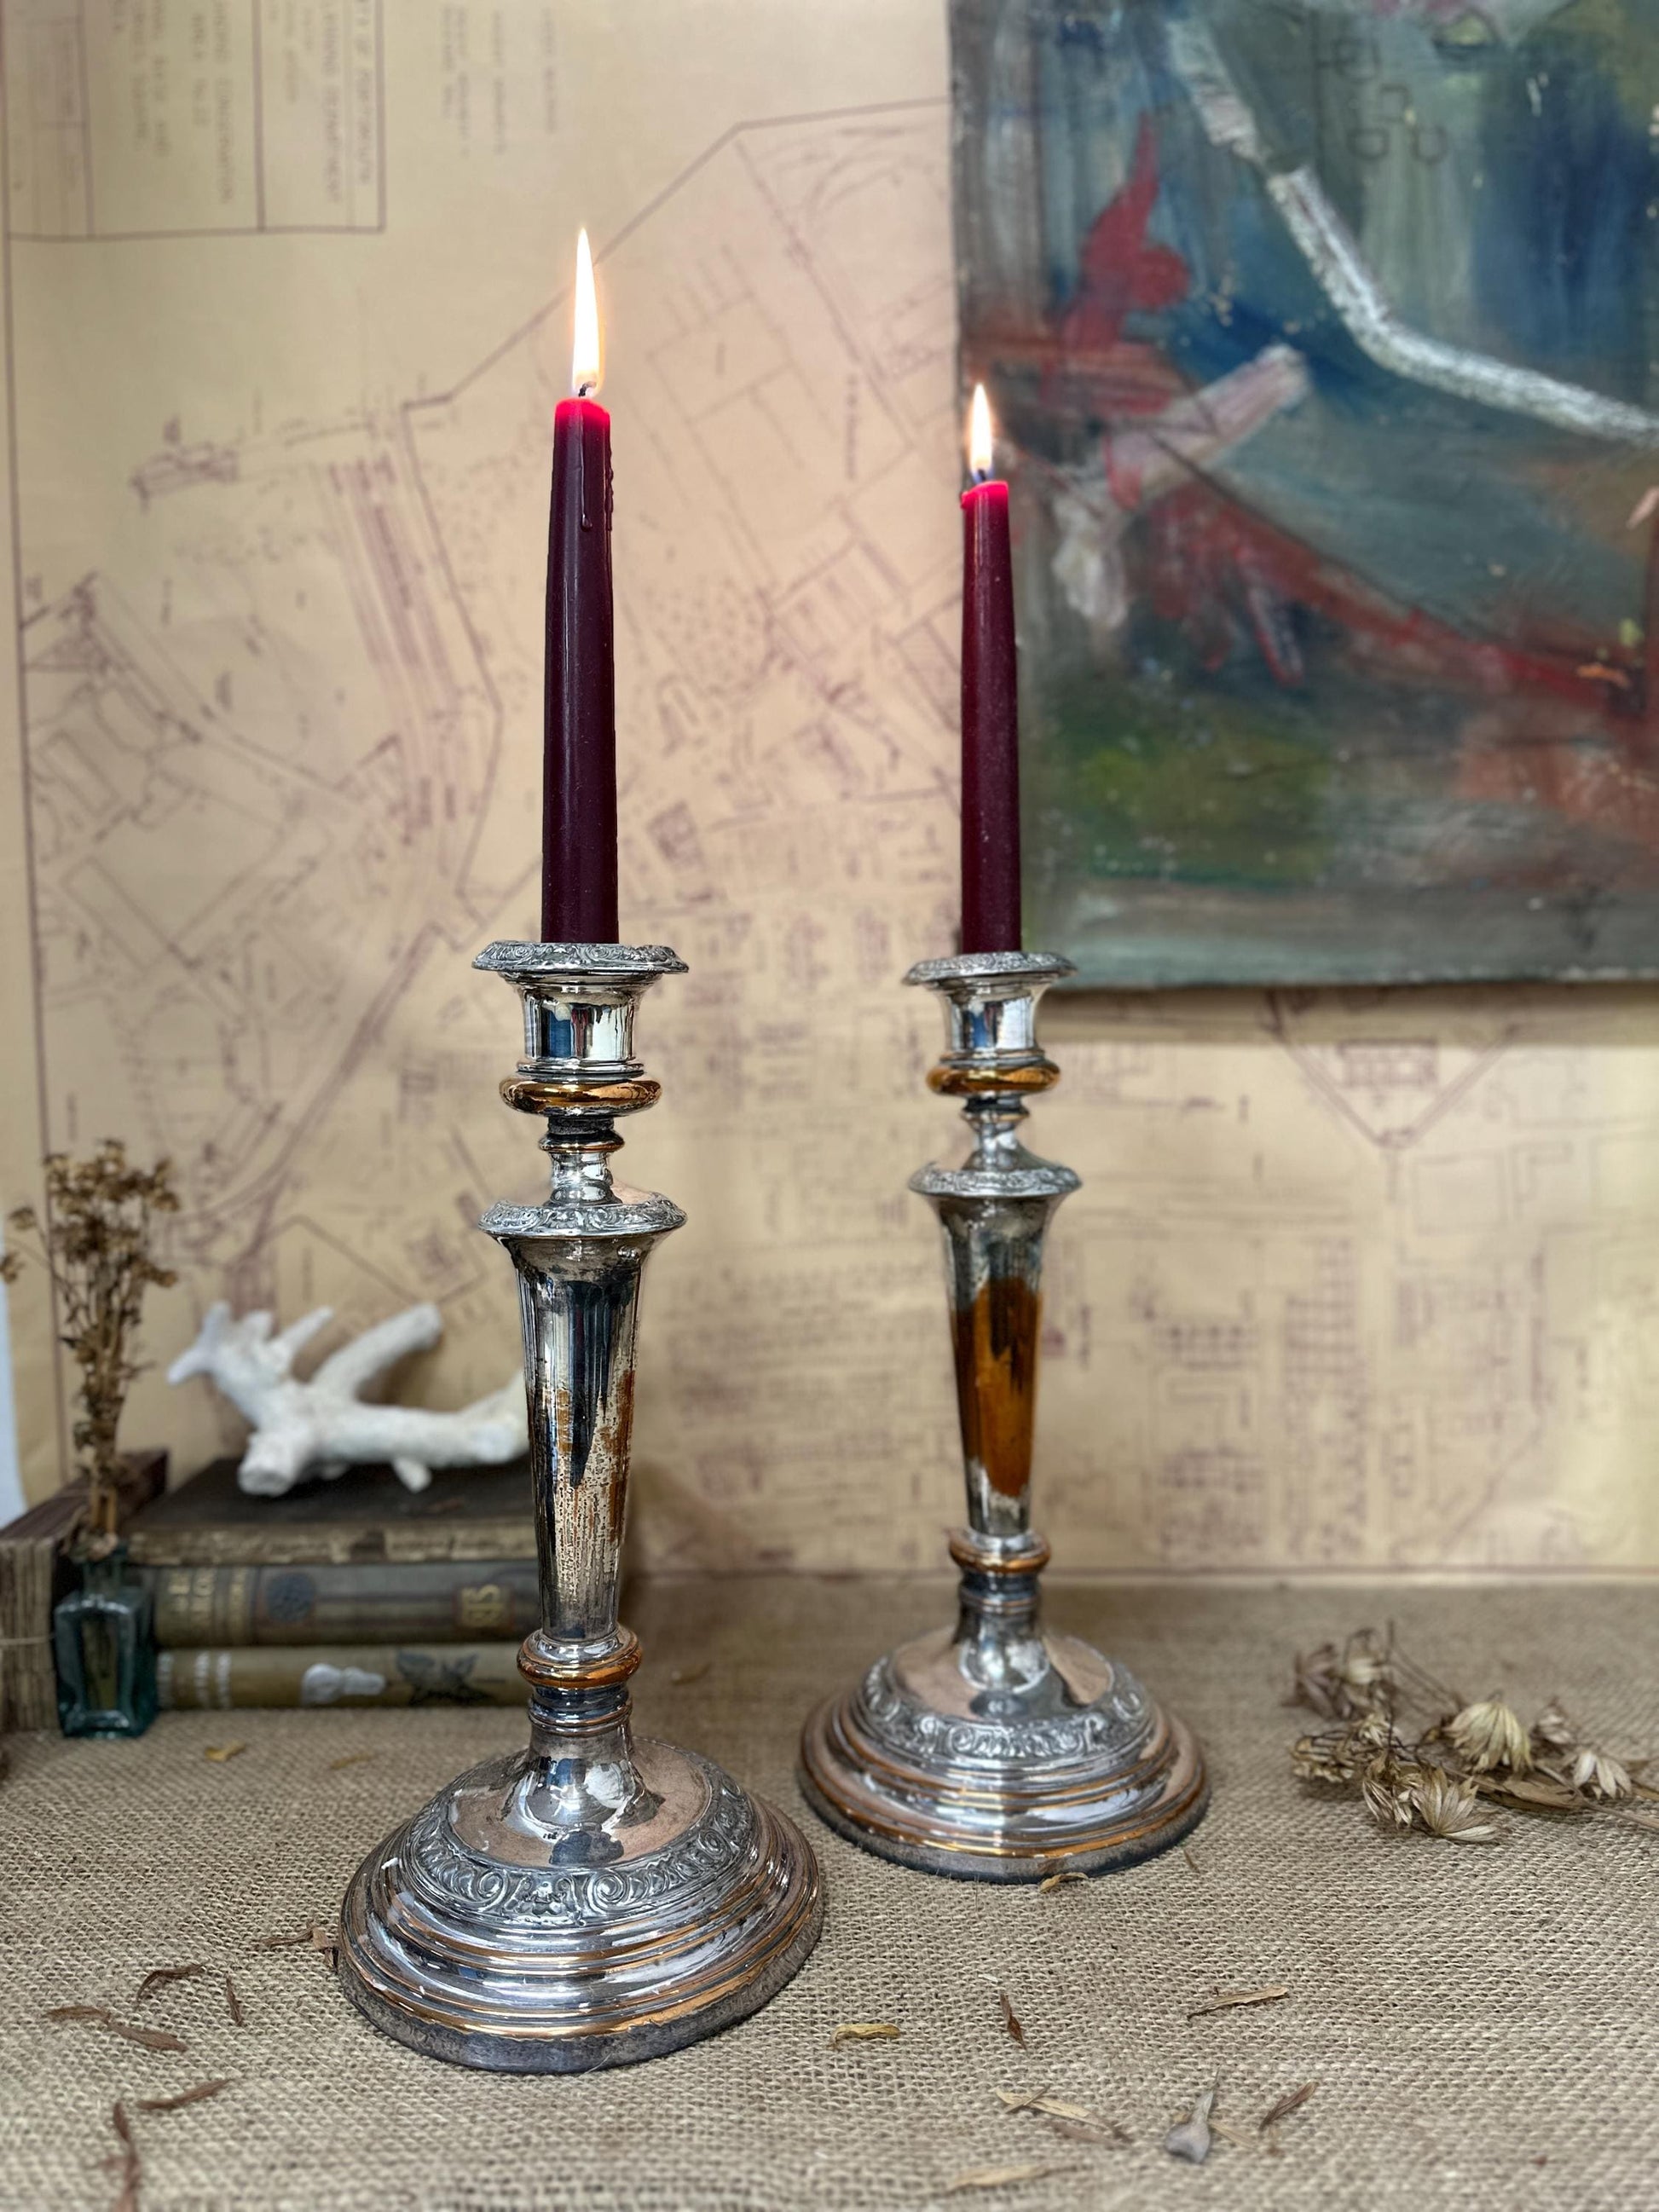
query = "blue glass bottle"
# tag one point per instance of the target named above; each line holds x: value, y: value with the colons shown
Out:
x: 104, y: 1640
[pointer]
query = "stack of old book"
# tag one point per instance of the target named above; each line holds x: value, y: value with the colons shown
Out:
x: 351, y: 1592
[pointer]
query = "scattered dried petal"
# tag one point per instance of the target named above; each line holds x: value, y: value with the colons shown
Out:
x: 1090, y: 2131
x: 1010, y: 2019
x: 159, y: 1977
x: 1292, y: 2101
x: 352, y: 1758
x: 198, y: 2095
x: 233, y: 2004
x: 1490, y: 1734
x: 1447, y: 1807
x: 282, y: 1943
x: 152, y: 2038
x: 864, y: 2031
x: 1190, y: 2138
x: 682, y: 1675
x: 1191, y: 1858
x: 1224, y: 1999
x: 997, y: 2176
x: 219, y: 1752
x: 1054, y: 1881
x: 126, y: 2160
x: 1039, y: 2100
x: 1598, y: 1775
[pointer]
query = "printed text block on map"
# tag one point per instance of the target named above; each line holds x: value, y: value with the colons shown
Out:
x: 149, y: 118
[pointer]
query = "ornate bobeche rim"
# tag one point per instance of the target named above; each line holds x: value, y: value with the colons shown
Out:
x: 507, y: 956
x: 1045, y: 1181
x: 988, y: 967
x: 648, y: 1215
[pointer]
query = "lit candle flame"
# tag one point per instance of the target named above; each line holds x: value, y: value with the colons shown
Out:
x: 587, y: 360
x: 979, y: 433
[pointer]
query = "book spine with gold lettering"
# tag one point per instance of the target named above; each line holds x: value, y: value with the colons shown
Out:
x: 432, y: 1602
x: 319, y: 1675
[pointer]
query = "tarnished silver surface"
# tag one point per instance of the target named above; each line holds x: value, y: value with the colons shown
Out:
x: 593, y: 1898
x: 999, y: 1750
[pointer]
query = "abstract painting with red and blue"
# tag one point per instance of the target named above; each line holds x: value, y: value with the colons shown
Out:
x: 1323, y: 341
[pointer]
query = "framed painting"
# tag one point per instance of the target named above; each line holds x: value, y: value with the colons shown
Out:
x: 1323, y: 338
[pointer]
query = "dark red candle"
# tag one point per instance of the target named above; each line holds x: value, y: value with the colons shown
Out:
x: 990, y: 711
x: 578, y: 761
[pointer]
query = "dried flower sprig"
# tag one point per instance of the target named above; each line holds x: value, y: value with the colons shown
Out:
x: 96, y: 1245
x: 1431, y: 1782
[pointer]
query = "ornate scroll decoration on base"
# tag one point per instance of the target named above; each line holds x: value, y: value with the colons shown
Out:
x: 999, y: 1750
x: 597, y: 1898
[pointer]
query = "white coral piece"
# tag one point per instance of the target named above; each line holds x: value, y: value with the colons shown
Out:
x: 322, y: 1425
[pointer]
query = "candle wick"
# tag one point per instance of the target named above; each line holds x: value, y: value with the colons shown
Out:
x: 582, y: 391
x: 981, y: 476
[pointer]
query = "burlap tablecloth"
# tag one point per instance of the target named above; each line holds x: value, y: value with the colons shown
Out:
x: 1483, y: 2023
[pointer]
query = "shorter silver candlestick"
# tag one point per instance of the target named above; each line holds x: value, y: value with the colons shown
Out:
x: 596, y: 1898
x: 999, y: 1750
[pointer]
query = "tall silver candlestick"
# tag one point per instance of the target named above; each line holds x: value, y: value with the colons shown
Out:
x: 997, y: 1750
x: 597, y: 1898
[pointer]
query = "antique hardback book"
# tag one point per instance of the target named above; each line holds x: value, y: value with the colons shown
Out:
x: 376, y: 1602
x: 340, y: 1675
x: 362, y: 1516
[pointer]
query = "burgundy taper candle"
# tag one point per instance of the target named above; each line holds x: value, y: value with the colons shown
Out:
x: 578, y: 757
x: 990, y: 714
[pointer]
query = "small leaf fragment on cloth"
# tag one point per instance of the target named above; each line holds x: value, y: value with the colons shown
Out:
x: 1292, y: 2101
x: 125, y: 2160
x: 1073, y: 2121
x: 1039, y: 2100
x: 198, y: 2095
x: 284, y: 1943
x: 233, y: 2004
x: 1090, y: 2131
x: 1010, y: 2019
x: 997, y: 2176
x: 159, y: 1977
x: 351, y: 1758
x: 1225, y: 1999
x: 1190, y: 2138
x: 864, y: 2031
x: 681, y: 1675
x: 1051, y: 1882
x: 1537, y: 1789
x: 219, y: 1752
x: 152, y: 2039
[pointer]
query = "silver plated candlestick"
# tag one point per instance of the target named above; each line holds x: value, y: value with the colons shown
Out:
x: 598, y: 1896
x: 998, y: 1750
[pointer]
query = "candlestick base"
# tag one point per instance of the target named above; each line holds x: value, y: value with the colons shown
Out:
x: 470, y: 1937
x: 1076, y: 1770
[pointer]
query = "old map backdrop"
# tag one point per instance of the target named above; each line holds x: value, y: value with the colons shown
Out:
x: 1353, y: 1279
